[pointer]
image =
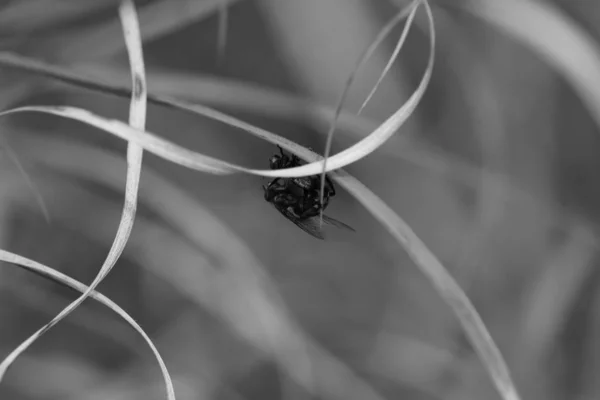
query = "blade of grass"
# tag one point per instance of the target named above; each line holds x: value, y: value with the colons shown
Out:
x: 430, y: 265
x: 158, y: 18
x: 15, y: 61
x: 556, y: 38
x: 60, y: 278
x: 185, y: 157
x: 432, y: 268
x: 389, y: 64
x: 134, y: 164
x: 442, y: 281
x: 385, y: 31
x: 201, y: 162
x: 38, y: 196
x: 222, y: 32
x: 242, y: 293
x: 348, y: 156
x: 111, y: 79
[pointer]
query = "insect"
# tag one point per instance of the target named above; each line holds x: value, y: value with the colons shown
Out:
x: 311, y: 184
x: 297, y: 199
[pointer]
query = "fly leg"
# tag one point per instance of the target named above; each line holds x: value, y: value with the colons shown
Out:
x: 329, y: 185
x: 281, y: 151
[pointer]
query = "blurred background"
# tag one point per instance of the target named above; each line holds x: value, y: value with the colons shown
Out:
x: 495, y: 171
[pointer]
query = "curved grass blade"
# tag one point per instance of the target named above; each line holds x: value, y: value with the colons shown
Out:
x: 443, y: 282
x: 198, y: 161
x: 399, y: 46
x: 193, y: 87
x: 385, y: 31
x: 38, y: 196
x: 58, y: 277
x: 134, y: 163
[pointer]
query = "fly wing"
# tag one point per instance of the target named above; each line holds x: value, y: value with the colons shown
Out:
x: 308, y: 225
x: 336, y: 223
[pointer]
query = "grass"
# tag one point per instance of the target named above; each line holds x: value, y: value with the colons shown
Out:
x: 347, y: 318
